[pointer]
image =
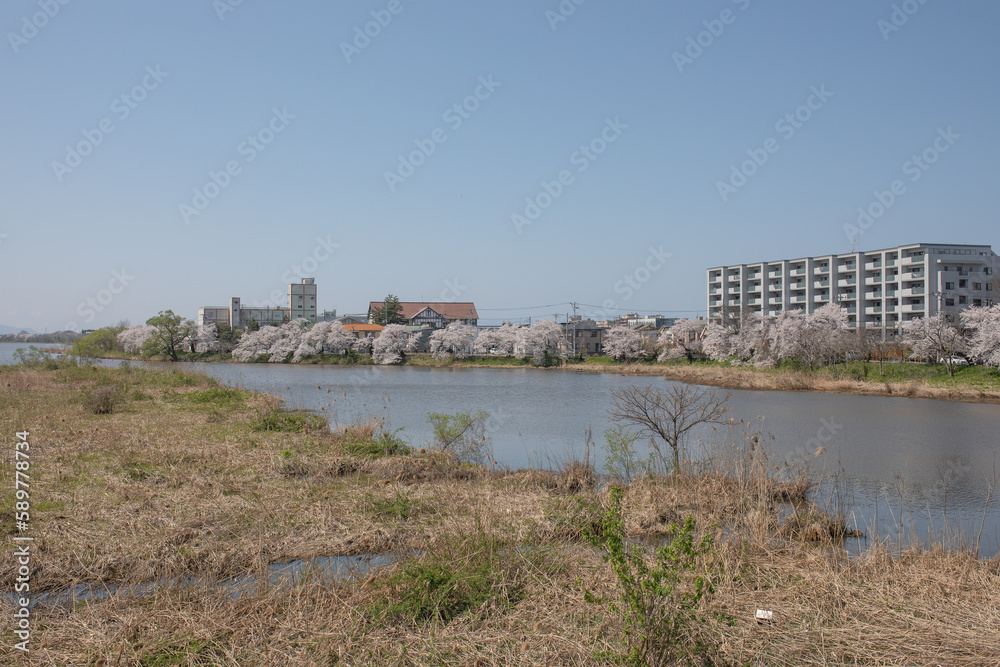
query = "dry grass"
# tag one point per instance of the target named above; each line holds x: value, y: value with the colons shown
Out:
x: 745, y: 378
x: 176, y: 482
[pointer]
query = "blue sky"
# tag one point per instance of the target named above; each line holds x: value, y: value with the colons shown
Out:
x: 87, y: 241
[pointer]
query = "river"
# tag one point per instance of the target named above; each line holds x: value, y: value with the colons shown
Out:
x: 931, y: 458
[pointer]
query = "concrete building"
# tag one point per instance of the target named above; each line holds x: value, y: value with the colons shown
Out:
x: 301, y: 304
x: 878, y: 288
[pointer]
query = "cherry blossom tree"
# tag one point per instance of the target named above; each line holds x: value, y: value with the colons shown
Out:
x: 826, y: 335
x: 206, y: 338
x: 983, y: 323
x: 786, y: 337
x: 935, y: 339
x: 501, y: 340
x: 454, y: 340
x: 683, y: 339
x: 390, y: 346
x: 363, y: 344
x: 290, y: 337
x: 255, y: 343
x: 621, y: 343
x: 541, y: 338
x: 133, y: 338
x: 750, y: 343
x: 717, y: 342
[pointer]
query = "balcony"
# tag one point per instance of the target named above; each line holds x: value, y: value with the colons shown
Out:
x: 754, y: 288
x: 775, y: 301
x: 890, y: 309
x: 735, y: 290
x: 912, y: 291
x: 753, y: 301
x: 910, y: 261
x: 873, y: 295
x: 774, y: 274
x: 735, y: 278
x: 912, y: 308
x: 774, y: 287
x: 846, y: 268
x: 798, y: 298
x: 847, y: 282
x: 821, y: 298
x: 821, y: 283
x: 801, y: 271
x: 851, y: 309
x: 821, y: 270
x: 873, y: 280
x: 873, y: 310
x: 871, y: 266
x: 715, y: 290
x: 847, y: 296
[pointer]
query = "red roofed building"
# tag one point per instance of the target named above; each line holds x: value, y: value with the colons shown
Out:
x: 420, y: 313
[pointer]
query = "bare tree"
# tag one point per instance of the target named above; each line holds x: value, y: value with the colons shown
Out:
x: 666, y: 415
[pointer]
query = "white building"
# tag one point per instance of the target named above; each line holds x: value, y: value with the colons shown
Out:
x: 879, y: 288
x: 301, y: 305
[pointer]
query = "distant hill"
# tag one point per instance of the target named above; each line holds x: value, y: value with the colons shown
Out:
x: 14, y: 330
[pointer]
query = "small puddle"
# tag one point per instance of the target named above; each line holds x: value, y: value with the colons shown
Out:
x: 345, y: 568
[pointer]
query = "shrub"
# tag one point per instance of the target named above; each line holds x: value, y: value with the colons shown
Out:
x: 288, y: 422
x: 659, y: 604
x: 465, y: 574
x: 462, y: 435
x: 102, y: 400
x: 381, y: 443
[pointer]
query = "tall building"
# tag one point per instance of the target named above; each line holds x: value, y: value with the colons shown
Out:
x: 301, y: 305
x: 878, y: 288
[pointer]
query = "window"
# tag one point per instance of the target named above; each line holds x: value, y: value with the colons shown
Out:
x: 962, y: 284
x: 949, y: 302
x: 977, y: 302
x: 977, y: 286
x: 989, y: 287
x: 962, y: 300
x: 949, y: 285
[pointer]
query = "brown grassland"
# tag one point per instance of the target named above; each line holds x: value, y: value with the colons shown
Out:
x: 734, y: 377
x: 188, y: 479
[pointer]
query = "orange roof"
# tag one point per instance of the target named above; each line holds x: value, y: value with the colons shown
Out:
x: 363, y: 327
x: 461, y: 310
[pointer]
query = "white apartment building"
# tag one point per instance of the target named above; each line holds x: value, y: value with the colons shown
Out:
x: 301, y: 305
x: 878, y: 288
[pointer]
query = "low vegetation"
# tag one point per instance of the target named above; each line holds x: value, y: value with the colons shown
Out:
x: 186, y: 484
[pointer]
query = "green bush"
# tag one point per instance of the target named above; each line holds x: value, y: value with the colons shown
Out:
x: 383, y: 443
x: 98, y: 343
x: 466, y: 574
x: 287, y: 422
x: 660, y: 604
x: 220, y: 397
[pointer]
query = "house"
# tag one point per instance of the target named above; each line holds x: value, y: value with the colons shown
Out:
x: 583, y: 337
x: 433, y: 314
x: 363, y: 330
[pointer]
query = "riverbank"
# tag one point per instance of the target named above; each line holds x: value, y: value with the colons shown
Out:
x: 970, y: 384
x: 186, y: 478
